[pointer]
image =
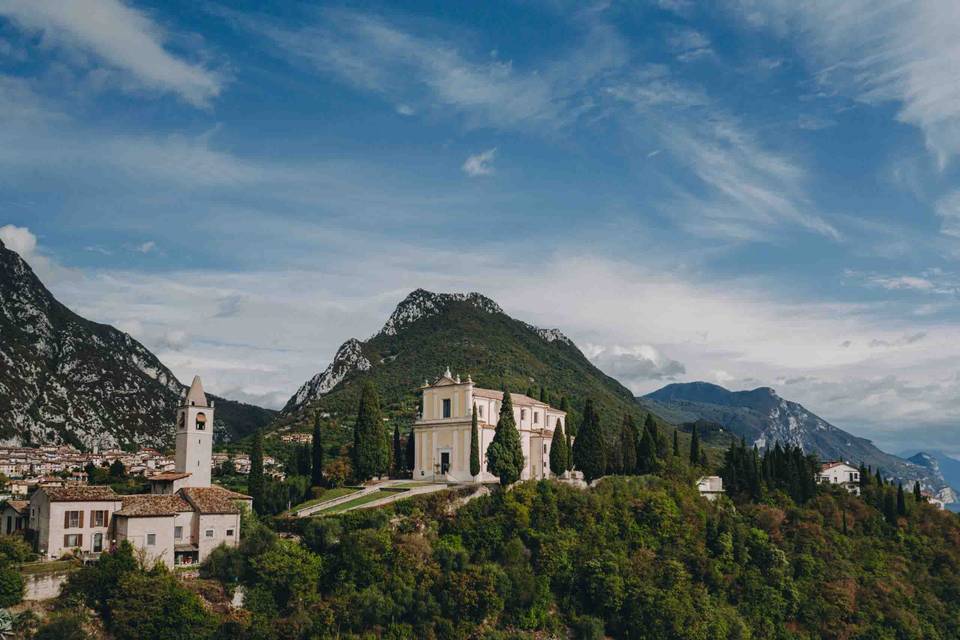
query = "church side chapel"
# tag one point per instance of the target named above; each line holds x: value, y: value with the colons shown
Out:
x: 181, y: 520
x: 442, y: 432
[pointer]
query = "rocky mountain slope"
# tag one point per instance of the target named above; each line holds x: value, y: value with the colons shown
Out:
x: 470, y: 333
x: 764, y: 418
x: 65, y: 379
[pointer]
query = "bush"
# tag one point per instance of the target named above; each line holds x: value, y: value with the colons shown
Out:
x: 11, y: 585
x: 65, y: 625
x: 15, y: 549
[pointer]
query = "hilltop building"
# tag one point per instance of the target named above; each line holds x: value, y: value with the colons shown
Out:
x: 841, y: 474
x: 442, y: 432
x: 710, y: 487
x: 179, y: 522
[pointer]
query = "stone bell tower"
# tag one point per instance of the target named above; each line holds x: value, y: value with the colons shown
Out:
x: 195, y: 436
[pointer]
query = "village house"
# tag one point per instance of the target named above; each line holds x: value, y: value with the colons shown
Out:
x: 710, y: 487
x: 179, y: 522
x: 840, y: 474
x: 442, y: 432
x: 14, y: 516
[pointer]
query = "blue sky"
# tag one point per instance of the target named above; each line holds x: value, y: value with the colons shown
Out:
x: 752, y: 194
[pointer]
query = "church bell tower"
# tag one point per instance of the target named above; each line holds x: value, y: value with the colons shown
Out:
x: 195, y: 436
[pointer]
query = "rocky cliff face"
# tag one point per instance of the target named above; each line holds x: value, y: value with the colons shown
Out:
x: 65, y: 379
x: 764, y: 418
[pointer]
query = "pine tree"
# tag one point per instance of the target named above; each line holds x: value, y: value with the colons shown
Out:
x: 316, y: 453
x: 917, y: 493
x: 398, y: 453
x: 558, y: 451
x: 676, y: 443
x: 474, y: 444
x: 505, y: 453
x: 901, y: 501
x: 695, y: 447
x: 628, y: 444
x: 589, y: 449
x: 255, y: 481
x: 370, y: 449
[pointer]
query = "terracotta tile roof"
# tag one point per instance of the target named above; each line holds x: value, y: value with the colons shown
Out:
x: 213, y: 499
x: 74, y: 493
x: 836, y: 463
x: 153, y: 505
x: 169, y: 476
x: 20, y: 506
x: 516, y: 398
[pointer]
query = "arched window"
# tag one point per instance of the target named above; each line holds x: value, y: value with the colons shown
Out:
x: 183, y: 421
x: 201, y: 422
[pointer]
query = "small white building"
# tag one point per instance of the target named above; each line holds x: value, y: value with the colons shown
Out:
x: 179, y: 522
x: 442, y: 433
x: 710, y: 487
x: 841, y: 474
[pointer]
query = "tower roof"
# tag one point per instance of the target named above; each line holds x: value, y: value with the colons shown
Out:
x: 196, y: 396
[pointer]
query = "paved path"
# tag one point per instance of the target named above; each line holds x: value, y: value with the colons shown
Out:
x: 412, y: 491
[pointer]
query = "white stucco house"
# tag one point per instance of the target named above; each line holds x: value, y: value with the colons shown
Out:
x: 710, y: 487
x: 179, y: 522
x: 840, y: 474
x: 442, y: 432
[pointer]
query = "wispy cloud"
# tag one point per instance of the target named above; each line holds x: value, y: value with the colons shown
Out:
x: 480, y: 164
x: 430, y: 73
x: 120, y: 37
x: 881, y: 51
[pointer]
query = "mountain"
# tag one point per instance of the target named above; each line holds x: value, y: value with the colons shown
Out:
x: 764, y: 418
x: 65, y: 379
x: 941, y: 462
x: 470, y: 333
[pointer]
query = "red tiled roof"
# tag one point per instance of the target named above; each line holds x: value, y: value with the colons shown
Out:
x: 153, y: 505
x: 213, y: 499
x: 19, y: 506
x: 74, y: 493
x: 169, y: 476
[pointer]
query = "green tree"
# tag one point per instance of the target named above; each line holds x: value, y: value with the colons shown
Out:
x: 117, y: 470
x: 901, y: 501
x: 398, y: 453
x: 558, y: 451
x: 629, y: 445
x: 316, y: 453
x: 63, y: 625
x: 474, y: 444
x: 369, y: 436
x: 505, y: 453
x: 411, y: 451
x: 917, y: 493
x: 11, y: 584
x: 154, y: 605
x: 589, y: 449
x: 695, y: 447
x: 676, y: 443
x: 647, y: 452
x: 255, y: 481
x: 889, y: 506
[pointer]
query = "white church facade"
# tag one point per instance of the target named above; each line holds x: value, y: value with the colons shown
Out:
x: 442, y: 432
x: 179, y: 522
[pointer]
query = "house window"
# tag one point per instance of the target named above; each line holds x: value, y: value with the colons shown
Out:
x: 178, y: 533
x: 229, y: 533
x: 151, y: 539
x: 72, y: 540
x: 446, y: 408
x: 72, y: 519
x: 208, y: 533
x: 98, y: 518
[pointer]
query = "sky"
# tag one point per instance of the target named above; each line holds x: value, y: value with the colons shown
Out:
x: 751, y: 193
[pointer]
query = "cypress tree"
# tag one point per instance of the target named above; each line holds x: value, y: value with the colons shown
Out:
x: 676, y: 443
x: 474, y: 444
x: 901, y: 501
x: 569, y: 448
x: 543, y: 394
x: 889, y: 506
x: 589, y: 449
x: 505, y: 453
x: 558, y: 451
x: 695, y: 447
x: 411, y: 451
x: 917, y: 493
x: 255, y: 482
x: 628, y: 444
x: 316, y: 453
x: 370, y: 448
x: 879, y: 478
x: 647, y: 452
x: 398, y: 453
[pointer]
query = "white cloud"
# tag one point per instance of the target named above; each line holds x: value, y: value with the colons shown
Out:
x: 634, y: 366
x: 120, y: 37
x: 480, y: 164
x: 881, y: 51
x: 24, y: 243
x: 147, y: 246
x: 19, y: 239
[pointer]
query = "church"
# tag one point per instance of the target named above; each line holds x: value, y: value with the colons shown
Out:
x: 442, y: 431
x: 179, y: 522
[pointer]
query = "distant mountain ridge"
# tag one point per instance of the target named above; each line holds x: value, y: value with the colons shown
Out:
x: 65, y: 379
x: 470, y: 333
x: 764, y: 418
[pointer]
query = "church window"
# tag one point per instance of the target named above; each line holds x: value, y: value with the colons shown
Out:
x: 523, y: 414
x: 446, y: 408
x: 480, y: 411
x: 536, y: 417
x: 183, y: 421
x: 151, y: 539
x: 201, y: 422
